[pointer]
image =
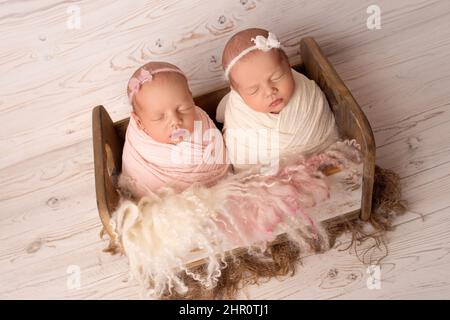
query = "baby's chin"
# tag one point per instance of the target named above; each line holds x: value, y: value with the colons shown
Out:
x: 276, y: 111
x: 173, y: 141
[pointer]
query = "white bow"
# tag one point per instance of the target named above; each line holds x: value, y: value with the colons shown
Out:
x: 265, y: 44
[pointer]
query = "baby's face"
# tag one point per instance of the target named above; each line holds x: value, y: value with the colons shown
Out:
x: 264, y: 81
x: 165, y: 105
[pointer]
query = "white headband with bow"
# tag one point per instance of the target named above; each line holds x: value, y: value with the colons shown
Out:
x: 261, y: 43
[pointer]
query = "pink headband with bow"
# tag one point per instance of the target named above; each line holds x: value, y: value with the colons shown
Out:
x: 145, y: 75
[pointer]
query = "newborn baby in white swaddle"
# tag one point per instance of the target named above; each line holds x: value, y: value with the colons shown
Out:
x: 272, y: 110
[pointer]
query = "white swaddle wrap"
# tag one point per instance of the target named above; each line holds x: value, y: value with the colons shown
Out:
x: 305, y: 125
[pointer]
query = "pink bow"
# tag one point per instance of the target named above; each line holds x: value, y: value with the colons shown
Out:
x: 135, y: 83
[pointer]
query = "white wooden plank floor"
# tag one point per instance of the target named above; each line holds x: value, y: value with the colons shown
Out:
x: 52, y: 76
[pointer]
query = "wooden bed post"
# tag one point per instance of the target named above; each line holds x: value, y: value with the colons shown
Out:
x: 350, y: 119
x: 107, y: 164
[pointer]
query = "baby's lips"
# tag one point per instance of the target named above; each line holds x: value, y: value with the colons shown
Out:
x: 276, y: 102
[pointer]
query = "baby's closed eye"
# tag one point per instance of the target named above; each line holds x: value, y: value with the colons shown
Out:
x: 185, y: 108
x: 157, y: 117
x: 253, y: 91
x: 277, y: 77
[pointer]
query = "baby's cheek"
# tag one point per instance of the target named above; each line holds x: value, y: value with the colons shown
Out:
x: 258, y: 104
x: 189, y: 122
x: 160, y: 135
x: 290, y: 87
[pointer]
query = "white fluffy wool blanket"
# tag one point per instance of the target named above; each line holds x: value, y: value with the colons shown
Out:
x: 249, y: 209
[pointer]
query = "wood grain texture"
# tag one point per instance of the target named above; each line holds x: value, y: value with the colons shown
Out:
x: 52, y: 76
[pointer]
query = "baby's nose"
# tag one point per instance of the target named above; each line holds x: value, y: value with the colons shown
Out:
x: 175, y: 120
x: 270, y: 90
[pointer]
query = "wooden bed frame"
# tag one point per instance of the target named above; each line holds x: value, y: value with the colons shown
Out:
x: 108, y: 137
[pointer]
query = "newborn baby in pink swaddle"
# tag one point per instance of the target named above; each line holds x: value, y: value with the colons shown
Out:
x: 170, y: 142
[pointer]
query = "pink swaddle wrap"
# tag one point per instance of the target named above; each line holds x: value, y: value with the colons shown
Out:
x: 148, y: 165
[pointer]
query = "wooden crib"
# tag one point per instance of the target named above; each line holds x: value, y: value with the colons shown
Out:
x: 108, y: 140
